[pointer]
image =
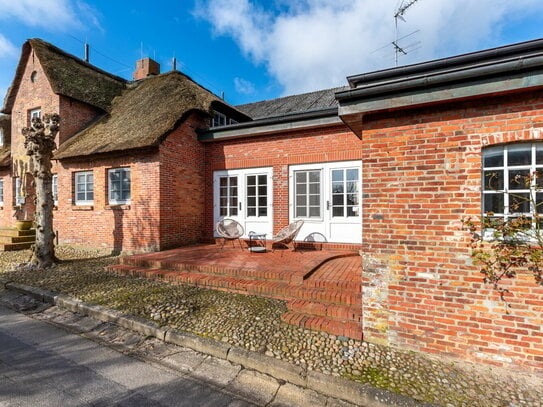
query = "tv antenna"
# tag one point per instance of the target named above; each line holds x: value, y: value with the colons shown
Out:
x: 398, y: 15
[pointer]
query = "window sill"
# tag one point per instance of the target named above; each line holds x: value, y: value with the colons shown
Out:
x: 82, y: 207
x: 117, y: 207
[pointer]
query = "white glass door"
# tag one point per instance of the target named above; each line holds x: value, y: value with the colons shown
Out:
x: 245, y: 196
x: 327, y: 197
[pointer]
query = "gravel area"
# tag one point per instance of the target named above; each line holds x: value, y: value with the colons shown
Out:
x: 254, y: 323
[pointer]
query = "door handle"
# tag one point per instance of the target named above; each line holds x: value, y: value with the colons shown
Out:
x: 239, y: 205
x: 327, y: 205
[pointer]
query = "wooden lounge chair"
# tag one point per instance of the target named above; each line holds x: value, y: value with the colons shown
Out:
x: 229, y: 229
x: 287, y: 235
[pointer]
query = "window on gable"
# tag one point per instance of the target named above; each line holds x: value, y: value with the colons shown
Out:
x: 119, y: 186
x: 84, y: 188
x: 34, y: 113
x: 512, y: 179
x: 54, y: 187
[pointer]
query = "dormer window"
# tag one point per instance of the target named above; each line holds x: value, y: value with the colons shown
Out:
x: 220, y: 119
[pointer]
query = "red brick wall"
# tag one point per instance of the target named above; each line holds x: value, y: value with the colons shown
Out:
x: 133, y: 227
x: 74, y: 116
x: 182, y: 185
x: 278, y: 151
x: 421, y: 177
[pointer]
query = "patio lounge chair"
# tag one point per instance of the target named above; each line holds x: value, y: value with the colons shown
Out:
x: 287, y: 234
x: 229, y: 229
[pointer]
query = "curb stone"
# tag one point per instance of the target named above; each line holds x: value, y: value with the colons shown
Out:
x: 353, y: 392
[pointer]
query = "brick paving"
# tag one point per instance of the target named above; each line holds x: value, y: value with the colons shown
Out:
x: 322, y: 288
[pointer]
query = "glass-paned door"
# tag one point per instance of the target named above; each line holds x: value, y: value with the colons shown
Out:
x: 246, y: 196
x: 327, y: 196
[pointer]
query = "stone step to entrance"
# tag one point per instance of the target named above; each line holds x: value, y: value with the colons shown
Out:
x: 12, y: 239
x: 348, y: 329
x: 333, y: 311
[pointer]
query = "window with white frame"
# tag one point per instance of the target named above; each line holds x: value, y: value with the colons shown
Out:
x: 18, y: 191
x: 1, y: 137
x: 307, y: 192
x: 35, y: 113
x: 119, y: 186
x: 1, y: 192
x: 54, y: 187
x: 512, y: 181
x: 220, y: 119
x: 84, y: 188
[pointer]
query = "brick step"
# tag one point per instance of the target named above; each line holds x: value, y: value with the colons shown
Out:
x: 253, y: 274
x: 353, y: 286
x: 16, y: 239
x: 8, y: 247
x: 16, y: 232
x: 332, y: 311
x: 348, y: 329
x: 267, y: 288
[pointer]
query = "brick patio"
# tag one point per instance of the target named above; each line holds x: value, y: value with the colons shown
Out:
x: 322, y: 288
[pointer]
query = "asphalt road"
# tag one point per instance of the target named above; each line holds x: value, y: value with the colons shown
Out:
x: 41, y: 365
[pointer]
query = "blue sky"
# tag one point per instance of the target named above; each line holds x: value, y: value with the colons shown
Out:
x: 255, y: 50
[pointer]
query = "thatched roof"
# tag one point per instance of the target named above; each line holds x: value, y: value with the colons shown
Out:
x: 142, y: 116
x: 5, y: 151
x: 68, y: 76
x: 305, y: 102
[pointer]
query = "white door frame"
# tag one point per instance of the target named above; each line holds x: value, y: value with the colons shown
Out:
x: 259, y: 224
x: 334, y: 229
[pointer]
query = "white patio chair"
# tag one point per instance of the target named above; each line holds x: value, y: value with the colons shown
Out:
x: 287, y: 235
x: 229, y: 229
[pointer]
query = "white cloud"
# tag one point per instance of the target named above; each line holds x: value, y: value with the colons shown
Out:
x: 7, y: 49
x: 313, y: 44
x: 55, y: 15
x: 244, y: 86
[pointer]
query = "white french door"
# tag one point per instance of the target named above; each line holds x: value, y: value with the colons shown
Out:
x: 327, y: 196
x: 245, y: 196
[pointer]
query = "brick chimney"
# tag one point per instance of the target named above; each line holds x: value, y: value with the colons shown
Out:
x: 146, y: 67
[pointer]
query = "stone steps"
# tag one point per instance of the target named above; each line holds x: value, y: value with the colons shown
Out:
x: 12, y: 239
x: 332, y: 326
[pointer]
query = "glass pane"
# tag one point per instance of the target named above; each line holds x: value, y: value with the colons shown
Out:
x: 301, y: 177
x: 352, y: 199
x: 539, y: 178
x: 223, y: 201
x: 114, y: 176
x: 126, y: 184
x: 314, y: 212
x: 337, y: 200
x: 90, y: 187
x: 233, y: 191
x: 80, y: 196
x: 233, y: 211
x: 519, y: 155
x: 519, y: 179
x: 125, y: 195
x: 251, y: 191
x: 352, y: 211
x: 539, y: 203
x: 251, y: 180
x: 262, y: 201
x: 223, y: 192
x: 539, y: 154
x: 115, y: 195
x: 233, y: 181
x: 300, y: 200
x: 337, y: 175
x: 493, y: 180
x: 90, y: 196
x: 352, y: 175
x: 493, y: 157
x: 262, y: 190
x: 314, y: 176
x: 301, y: 211
x: 301, y: 189
x: 223, y: 212
x: 234, y: 201
x: 223, y: 181
x: 90, y: 177
x: 493, y: 203
x: 251, y: 201
x: 352, y: 186
x: 262, y: 211
x: 314, y: 188
x: 251, y: 211
x: 262, y: 180
x: 80, y: 188
x: 337, y: 187
x: 337, y: 211
x: 314, y: 200
x: 80, y: 178
x: 519, y: 203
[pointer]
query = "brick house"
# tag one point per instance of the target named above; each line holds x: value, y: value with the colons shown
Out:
x: 389, y: 165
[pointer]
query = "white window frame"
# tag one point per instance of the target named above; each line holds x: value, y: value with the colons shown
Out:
x: 1, y: 191
x: 35, y: 113
x: 54, y: 189
x: 220, y: 119
x: 119, y: 201
x: 532, y: 190
x: 86, y: 189
x: 18, y: 193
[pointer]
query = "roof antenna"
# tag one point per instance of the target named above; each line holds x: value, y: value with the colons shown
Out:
x: 222, y: 95
x: 174, y: 64
x: 86, y: 52
x: 404, y: 5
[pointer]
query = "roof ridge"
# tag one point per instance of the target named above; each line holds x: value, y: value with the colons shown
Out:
x: 75, y: 58
x: 294, y: 95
